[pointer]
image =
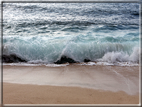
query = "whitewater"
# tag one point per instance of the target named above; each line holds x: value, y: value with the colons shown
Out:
x: 94, y: 33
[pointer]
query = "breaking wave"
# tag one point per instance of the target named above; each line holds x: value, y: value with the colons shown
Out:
x: 56, y: 33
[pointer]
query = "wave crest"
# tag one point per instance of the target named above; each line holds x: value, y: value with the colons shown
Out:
x: 114, y: 57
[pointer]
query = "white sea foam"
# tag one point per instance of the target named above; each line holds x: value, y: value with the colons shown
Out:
x: 21, y: 64
x: 76, y: 31
x: 30, y: 64
x: 134, y: 57
x: 110, y: 58
x: 113, y: 57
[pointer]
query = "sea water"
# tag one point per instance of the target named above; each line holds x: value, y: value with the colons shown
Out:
x: 40, y: 33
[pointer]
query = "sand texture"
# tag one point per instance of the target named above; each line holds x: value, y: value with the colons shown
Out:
x: 73, y: 84
x: 36, y: 94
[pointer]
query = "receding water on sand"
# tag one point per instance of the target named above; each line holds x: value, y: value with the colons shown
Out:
x: 112, y: 78
x: 102, y: 40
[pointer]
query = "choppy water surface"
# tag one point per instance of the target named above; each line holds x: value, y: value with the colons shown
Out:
x: 44, y: 32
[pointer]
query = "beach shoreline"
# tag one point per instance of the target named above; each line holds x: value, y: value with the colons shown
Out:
x: 72, y: 84
x: 71, y: 53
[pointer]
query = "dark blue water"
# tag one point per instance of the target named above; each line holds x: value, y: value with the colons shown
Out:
x: 44, y: 32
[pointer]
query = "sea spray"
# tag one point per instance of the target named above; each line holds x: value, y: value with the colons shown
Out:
x: 121, y: 56
x: 81, y: 32
x: 51, y: 50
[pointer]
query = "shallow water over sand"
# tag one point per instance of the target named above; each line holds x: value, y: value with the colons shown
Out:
x: 112, y: 78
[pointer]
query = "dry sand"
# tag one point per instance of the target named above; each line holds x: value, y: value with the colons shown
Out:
x: 73, y: 84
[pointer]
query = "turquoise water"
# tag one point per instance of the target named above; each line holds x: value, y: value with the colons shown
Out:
x: 43, y: 32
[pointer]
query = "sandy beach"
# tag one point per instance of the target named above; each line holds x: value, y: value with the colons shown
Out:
x: 73, y: 84
x: 71, y: 53
x: 41, y: 94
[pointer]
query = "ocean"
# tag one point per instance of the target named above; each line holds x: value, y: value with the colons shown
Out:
x: 62, y: 33
x: 59, y: 44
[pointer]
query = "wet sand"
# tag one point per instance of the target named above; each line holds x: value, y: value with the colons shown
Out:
x: 73, y: 84
x: 41, y: 94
